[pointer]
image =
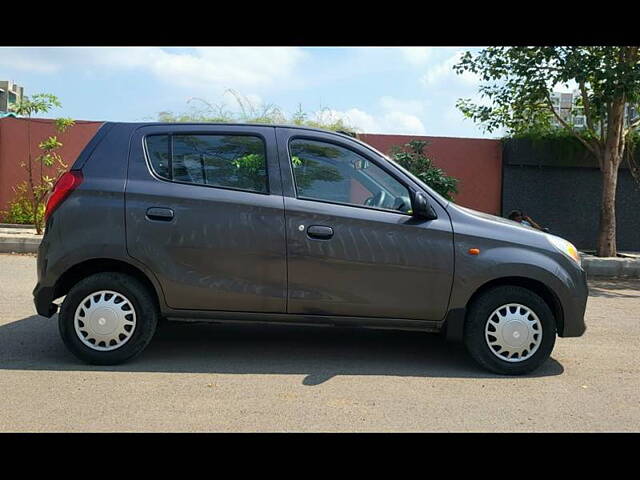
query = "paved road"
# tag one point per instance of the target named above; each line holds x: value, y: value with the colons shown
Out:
x: 248, y: 378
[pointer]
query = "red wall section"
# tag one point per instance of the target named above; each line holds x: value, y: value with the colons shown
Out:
x: 475, y: 162
x: 14, y: 148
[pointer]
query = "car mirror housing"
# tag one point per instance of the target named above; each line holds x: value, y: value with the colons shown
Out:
x: 421, y: 207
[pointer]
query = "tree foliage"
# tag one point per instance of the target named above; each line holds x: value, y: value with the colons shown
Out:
x: 28, y: 205
x: 413, y: 157
x: 20, y: 208
x: 515, y: 92
x: 518, y: 82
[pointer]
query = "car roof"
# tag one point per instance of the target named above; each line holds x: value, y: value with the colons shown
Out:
x: 136, y: 125
x: 236, y: 124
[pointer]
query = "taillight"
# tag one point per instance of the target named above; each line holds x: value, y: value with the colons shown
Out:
x: 66, y: 184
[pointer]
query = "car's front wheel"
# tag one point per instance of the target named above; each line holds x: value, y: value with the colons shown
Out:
x: 107, y: 318
x: 510, y: 330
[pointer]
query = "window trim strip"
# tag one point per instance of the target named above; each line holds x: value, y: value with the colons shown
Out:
x: 369, y: 158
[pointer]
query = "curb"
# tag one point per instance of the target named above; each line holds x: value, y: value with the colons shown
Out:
x: 611, y: 267
x: 17, y: 225
x: 16, y: 244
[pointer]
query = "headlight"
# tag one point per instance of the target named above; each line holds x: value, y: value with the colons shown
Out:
x: 565, y: 247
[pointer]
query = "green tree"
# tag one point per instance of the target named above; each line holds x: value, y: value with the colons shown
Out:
x: 38, y: 184
x: 517, y: 83
x: 413, y: 157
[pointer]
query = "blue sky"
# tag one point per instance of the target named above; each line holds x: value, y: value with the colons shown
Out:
x: 378, y: 90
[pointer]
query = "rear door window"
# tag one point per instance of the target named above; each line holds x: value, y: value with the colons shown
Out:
x: 226, y: 161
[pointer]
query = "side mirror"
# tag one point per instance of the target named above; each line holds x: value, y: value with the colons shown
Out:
x: 421, y: 207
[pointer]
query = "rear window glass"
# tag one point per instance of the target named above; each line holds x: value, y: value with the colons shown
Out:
x: 158, y: 148
x: 228, y: 161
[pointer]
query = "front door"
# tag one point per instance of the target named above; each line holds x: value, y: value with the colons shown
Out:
x: 204, y: 212
x: 353, y: 247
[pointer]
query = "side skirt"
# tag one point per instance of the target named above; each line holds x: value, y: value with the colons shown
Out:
x: 304, y: 319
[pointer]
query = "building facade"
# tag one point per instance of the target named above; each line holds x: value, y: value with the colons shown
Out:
x: 9, y: 93
x: 568, y: 108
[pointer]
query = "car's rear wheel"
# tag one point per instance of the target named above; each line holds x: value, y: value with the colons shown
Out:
x: 510, y: 330
x: 107, y: 318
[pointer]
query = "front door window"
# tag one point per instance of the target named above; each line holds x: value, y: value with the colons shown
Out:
x: 326, y: 172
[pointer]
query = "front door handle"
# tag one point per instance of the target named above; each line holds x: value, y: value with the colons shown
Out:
x: 320, y: 231
x: 160, y: 214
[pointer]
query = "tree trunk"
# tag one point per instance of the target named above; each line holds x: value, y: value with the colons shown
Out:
x: 33, y: 199
x: 612, y: 157
x: 607, y: 230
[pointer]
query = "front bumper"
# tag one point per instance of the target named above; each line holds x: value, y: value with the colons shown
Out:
x: 574, y: 305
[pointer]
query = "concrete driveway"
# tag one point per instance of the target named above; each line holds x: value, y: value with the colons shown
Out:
x: 259, y: 378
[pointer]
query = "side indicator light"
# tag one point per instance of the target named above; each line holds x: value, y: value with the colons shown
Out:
x: 474, y: 251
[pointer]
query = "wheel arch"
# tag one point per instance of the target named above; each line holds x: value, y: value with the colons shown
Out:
x: 98, y: 265
x: 456, y: 319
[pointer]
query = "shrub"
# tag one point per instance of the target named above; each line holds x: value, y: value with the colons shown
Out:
x: 20, y: 210
x: 39, y: 185
x: 412, y: 157
x: 249, y: 111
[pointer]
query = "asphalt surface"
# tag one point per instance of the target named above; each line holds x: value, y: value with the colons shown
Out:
x: 268, y: 378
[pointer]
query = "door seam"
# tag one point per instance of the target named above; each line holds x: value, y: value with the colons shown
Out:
x: 284, y: 218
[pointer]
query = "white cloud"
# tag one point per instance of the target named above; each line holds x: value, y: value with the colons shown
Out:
x: 400, y: 122
x: 35, y: 61
x: 443, y: 72
x: 416, y: 55
x: 416, y: 107
x: 391, y: 120
x: 255, y: 100
x: 237, y: 67
x: 402, y: 116
x: 353, y: 117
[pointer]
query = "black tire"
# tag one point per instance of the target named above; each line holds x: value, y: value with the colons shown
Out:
x: 478, y: 316
x: 139, y: 296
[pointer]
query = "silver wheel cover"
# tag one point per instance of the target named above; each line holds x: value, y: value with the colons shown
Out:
x: 105, y: 320
x: 513, y: 332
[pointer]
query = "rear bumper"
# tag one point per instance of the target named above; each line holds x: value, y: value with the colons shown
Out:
x: 43, y: 300
x: 43, y: 293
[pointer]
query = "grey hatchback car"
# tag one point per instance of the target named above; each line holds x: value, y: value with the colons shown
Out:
x: 281, y: 224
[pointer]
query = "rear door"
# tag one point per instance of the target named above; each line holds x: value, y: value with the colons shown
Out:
x: 353, y: 247
x: 204, y: 212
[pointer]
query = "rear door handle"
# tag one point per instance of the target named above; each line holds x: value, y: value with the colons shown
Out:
x: 160, y: 214
x: 320, y: 231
